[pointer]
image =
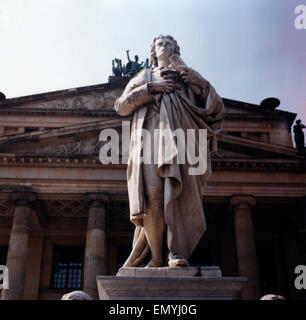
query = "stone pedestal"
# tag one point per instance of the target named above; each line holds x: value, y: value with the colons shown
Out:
x: 191, y: 283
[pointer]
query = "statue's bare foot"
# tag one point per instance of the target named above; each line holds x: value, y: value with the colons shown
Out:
x: 154, y: 264
x: 178, y: 262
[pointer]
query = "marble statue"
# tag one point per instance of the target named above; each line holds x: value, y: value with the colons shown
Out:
x: 165, y: 201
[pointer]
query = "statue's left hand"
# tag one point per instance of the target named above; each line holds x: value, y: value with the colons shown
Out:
x: 193, y: 77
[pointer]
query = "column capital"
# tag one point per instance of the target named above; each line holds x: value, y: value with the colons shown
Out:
x: 23, y: 198
x: 97, y: 199
x: 242, y: 201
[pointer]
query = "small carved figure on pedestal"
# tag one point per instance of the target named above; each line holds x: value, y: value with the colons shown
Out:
x: 299, y: 135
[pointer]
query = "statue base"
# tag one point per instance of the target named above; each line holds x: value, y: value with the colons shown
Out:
x: 165, y: 283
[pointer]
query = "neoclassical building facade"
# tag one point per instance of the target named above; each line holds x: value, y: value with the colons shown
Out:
x: 64, y: 217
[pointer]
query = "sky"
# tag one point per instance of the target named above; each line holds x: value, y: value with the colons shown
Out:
x: 248, y: 49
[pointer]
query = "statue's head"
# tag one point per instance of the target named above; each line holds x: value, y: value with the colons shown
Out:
x: 163, y: 45
x: 136, y: 58
x: 298, y: 121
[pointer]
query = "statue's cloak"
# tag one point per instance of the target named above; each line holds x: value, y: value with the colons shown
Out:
x: 182, y: 192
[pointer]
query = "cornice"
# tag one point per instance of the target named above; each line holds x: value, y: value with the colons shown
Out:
x: 259, y: 165
x: 256, y: 117
x: 65, y: 113
x: 85, y: 161
x: 60, y: 93
x: 103, y: 112
x: 56, y: 162
x: 61, y: 131
x: 260, y: 146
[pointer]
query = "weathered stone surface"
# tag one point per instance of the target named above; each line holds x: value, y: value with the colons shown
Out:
x: 166, y: 288
x: 199, y: 283
x: 18, y: 245
x: 95, y: 242
x: 207, y: 272
x: 245, y: 244
x: 73, y: 99
x: 167, y: 214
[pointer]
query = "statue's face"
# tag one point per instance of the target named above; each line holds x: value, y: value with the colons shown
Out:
x: 164, y: 48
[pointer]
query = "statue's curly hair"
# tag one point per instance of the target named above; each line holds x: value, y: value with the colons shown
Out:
x: 153, y: 53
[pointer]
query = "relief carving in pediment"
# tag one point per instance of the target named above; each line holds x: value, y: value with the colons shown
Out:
x: 222, y: 153
x: 91, y: 146
x: 90, y: 101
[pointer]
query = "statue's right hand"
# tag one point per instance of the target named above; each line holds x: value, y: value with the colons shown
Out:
x: 162, y: 86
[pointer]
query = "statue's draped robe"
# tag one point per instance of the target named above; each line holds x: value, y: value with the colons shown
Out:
x: 182, y: 193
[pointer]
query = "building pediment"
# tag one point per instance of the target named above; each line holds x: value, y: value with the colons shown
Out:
x: 91, y: 98
x: 70, y: 140
x: 241, y: 110
x: 102, y: 97
x: 244, y: 147
x: 97, y: 102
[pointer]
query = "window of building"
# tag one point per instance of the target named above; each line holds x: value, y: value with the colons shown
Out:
x: 67, y: 267
x: 3, y: 254
x: 254, y: 136
x: 234, y: 133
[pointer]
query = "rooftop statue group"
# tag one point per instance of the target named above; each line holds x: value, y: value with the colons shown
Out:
x: 165, y: 200
x: 131, y: 68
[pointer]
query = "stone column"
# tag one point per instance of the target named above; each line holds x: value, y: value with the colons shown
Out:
x: 245, y: 244
x: 18, y: 245
x: 95, y: 256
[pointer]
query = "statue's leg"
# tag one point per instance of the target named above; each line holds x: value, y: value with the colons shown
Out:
x: 154, y: 222
x: 154, y: 227
x: 175, y: 258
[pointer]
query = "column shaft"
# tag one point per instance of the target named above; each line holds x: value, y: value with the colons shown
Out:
x: 245, y: 245
x: 95, y: 245
x: 18, y: 246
